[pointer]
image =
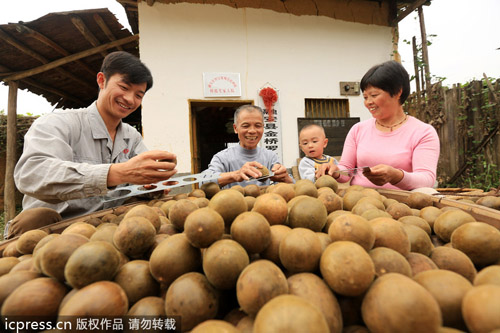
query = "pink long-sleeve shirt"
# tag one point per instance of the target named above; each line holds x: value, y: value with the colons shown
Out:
x: 413, y: 148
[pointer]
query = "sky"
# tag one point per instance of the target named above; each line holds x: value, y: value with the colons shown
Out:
x: 466, y: 42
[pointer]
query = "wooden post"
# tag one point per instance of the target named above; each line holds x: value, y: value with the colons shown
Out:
x: 425, y: 55
x: 10, y: 160
x: 417, y: 77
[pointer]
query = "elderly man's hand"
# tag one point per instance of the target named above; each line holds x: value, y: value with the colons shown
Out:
x: 247, y: 171
x: 280, y: 174
x: 146, y: 168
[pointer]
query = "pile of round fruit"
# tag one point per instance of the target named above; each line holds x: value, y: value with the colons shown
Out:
x: 304, y: 257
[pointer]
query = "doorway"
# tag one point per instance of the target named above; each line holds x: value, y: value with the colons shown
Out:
x: 211, y: 130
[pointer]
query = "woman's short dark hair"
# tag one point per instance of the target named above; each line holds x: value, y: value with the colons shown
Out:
x: 128, y: 65
x: 389, y: 76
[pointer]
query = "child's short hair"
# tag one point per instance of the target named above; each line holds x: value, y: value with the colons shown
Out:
x: 312, y: 125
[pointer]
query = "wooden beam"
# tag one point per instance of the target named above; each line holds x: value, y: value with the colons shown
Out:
x: 417, y: 77
x: 128, y: 2
x: 24, y: 49
x: 11, y: 158
x: 12, y: 41
x: 87, y: 34
x: 68, y: 59
x: 104, y: 27
x: 425, y: 54
x: 407, y: 11
x: 47, y: 89
x: 47, y: 41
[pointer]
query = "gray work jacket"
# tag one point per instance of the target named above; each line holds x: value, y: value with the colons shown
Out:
x: 66, y: 158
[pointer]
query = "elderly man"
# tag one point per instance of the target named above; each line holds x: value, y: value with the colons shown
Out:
x: 239, y: 163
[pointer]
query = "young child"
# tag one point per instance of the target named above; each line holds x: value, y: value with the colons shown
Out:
x: 313, y: 141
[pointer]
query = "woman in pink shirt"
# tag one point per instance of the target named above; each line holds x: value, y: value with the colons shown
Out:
x: 401, y: 151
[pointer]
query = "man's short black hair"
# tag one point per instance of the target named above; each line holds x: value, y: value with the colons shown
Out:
x: 389, y: 76
x: 128, y: 65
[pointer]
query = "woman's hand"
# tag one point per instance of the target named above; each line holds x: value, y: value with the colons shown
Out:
x: 382, y: 174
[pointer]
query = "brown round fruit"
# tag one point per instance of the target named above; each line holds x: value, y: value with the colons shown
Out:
x: 419, y: 200
x: 9, y: 282
x: 354, y: 228
x: 307, y: 212
x: 271, y: 252
x: 291, y: 314
x: 203, y: 227
x: 223, y: 262
x: 229, y: 204
x: 27, y: 241
x: 210, y: 189
x: 148, y: 306
x: 479, y: 241
x: 273, y: 207
x: 102, y: 298
x: 91, y: 262
x: 252, y: 231
x: 480, y: 308
x: 306, y: 187
x: 419, y: 240
x: 387, y: 260
x: 287, y: 191
x: 347, y: 268
x: 134, y: 236
x: 193, y: 299
x: 419, y: 263
x: 172, y: 258
x: 331, y: 201
x: 258, y: 283
x: 215, y: 326
x: 55, y: 254
x: 488, y: 275
x: 179, y: 211
x: 136, y: 280
x: 37, y: 297
x: 448, y: 288
x: 430, y: 214
x: 398, y: 210
x: 327, y: 181
x: 252, y: 190
x: 312, y: 288
x: 146, y: 212
x: 300, y: 250
x: 7, y: 263
x: 395, y: 301
x: 454, y: 260
x: 390, y: 233
x: 80, y: 228
x: 447, y: 222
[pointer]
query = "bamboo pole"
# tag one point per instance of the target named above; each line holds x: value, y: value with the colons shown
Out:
x: 417, y: 77
x: 425, y: 54
x: 10, y: 188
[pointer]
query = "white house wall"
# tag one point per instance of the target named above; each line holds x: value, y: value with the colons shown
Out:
x: 302, y: 56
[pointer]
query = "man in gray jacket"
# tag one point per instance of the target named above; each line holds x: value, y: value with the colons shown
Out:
x: 239, y: 163
x: 71, y: 157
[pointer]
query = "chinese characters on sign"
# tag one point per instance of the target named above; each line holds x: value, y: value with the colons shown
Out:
x: 221, y: 84
x: 272, y: 131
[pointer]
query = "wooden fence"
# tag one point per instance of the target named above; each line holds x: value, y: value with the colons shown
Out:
x: 466, y: 118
